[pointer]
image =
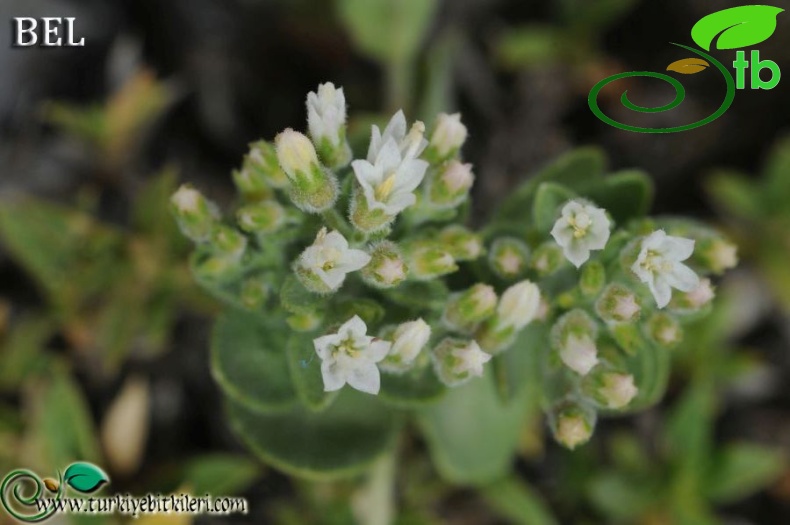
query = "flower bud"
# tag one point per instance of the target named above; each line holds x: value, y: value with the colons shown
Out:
x: 313, y: 189
x: 428, y: 260
x: 326, y: 120
x: 364, y: 218
x: 447, y: 138
x: 664, y: 330
x: 616, y: 390
x: 408, y: 340
x: 697, y: 298
x: 450, y: 187
x: 617, y: 304
x: 216, y: 268
x: 466, y: 309
x: 573, y: 426
x: 716, y: 254
x: 573, y: 335
x: 262, y: 217
x: 547, y: 259
x: 386, y: 267
x: 254, y: 292
x: 260, y: 171
x: 463, y: 244
x: 304, y: 321
x: 517, y: 307
x: 508, y: 257
x: 228, y: 242
x: 195, y: 215
x: 592, y: 279
x: 456, y: 361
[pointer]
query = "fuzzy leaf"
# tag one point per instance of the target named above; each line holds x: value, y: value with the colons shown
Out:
x: 625, y: 194
x: 412, y: 389
x: 736, y: 27
x: 249, y: 362
x: 548, y: 202
x: 472, y: 436
x: 340, y: 441
x: 742, y: 469
x: 220, y: 474
x: 305, y: 367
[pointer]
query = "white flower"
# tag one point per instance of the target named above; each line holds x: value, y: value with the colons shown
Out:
x: 581, y: 228
x: 350, y: 356
x: 449, y: 135
x: 579, y: 354
x: 326, y: 113
x: 659, y: 265
x: 470, y: 358
x: 392, y: 171
x: 410, y: 145
x: 618, y: 390
x: 408, y: 339
x: 518, y: 305
x: 327, y: 261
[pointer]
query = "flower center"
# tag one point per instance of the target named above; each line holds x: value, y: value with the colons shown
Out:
x: 384, y: 189
x: 347, y: 347
x: 580, y: 224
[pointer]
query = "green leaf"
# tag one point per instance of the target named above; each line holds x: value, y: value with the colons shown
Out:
x: 740, y: 470
x: 530, y: 46
x: 61, y: 430
x: 578, y: 168
x: 387, y: 30
x: 650, y: 366
x: 220, y: 474
x: 344, y: 309
x: 625, y: 194
x: 622, y: 497
x: 548, y: 201
x: 22, y: 353
x: 517, y: 502
x: 734, y: 194
x: 299, y: 300
x: 305, y: 367
x: 422, y: 295
x: 688, y: 433
x: 340, y: 441
x: 741, y: 26
x: 85, y: 477
x: 472, y: 436
x: 412, y: 389
x: 248, y: 359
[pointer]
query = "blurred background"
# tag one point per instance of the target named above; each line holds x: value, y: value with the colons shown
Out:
x: 104, y: 350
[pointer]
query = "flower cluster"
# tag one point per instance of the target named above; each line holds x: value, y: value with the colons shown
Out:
x: 370, y: 259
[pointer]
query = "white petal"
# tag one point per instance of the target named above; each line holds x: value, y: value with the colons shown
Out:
x: 375, y: 143
x: 332, y: 278
x: 661, y: 291
x: 389, y: 157
x: 354, y: 326
x: 677, y: 248
x: 576, y: 252
x: 411, y: 174
x: 324, y: 344
x: 378, y: 350
x: 396, y: 128
x: 335, y: 239
x: 682, y: 277
x: 333, y: 375
x: 571, y: 208
x: 399, y: 202
x: 354, y: 260
x: 365, y: 378
x: 366, y: 173
x: 598, y: 234
x: 562, y: 232
x: 654, y: 241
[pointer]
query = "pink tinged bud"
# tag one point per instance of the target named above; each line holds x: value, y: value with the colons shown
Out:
x: 573, y: 427
x: 448, y: 136
x: 701, y: 295
x: 617, y: 390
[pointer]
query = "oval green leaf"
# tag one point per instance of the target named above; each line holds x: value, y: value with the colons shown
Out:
x: 85, y: 477
x: 248, y: 359
x: 338, y: 442
x: 736, y: 27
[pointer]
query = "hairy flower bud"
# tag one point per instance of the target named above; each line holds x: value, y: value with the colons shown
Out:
x: 387, y: 267
x: 463, y: 244
x: 227, y: 242
x: 254, y: 292
x: 616, y: 390
x: 428, y: 260
x: 547, y: 259
x: 694, y: 300
x: 326, y: 120
x: 517, y: 307
x: 196, y: 216
x: 448, y: 136
x: 466, y: 309
x: 664, y: 330
x: 450, y: 186
x: 260, y: 171
x: 573, y: 336
x: 313, y: 188
x: 617, y: 304
x: 456, y: 361
x: 573, y: 426
x: 408, y: 340
x: 261, y: 217
x: 508, y: 257
x: 716, y: 254
x: 592, y: 278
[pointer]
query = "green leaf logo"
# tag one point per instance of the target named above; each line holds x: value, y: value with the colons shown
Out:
x: 85, y: 477
x: 738, y: 26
